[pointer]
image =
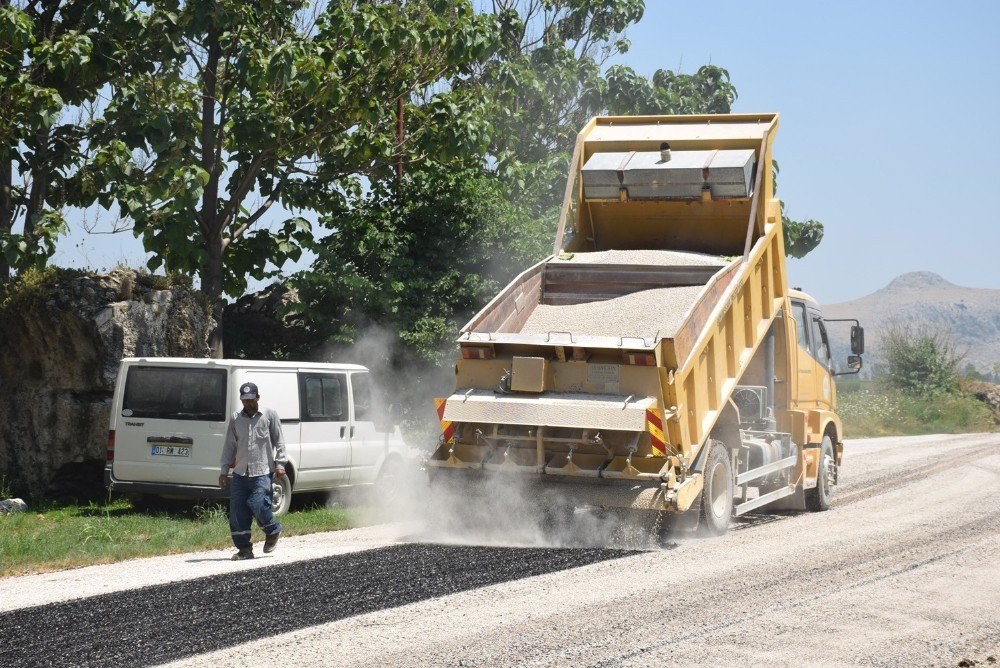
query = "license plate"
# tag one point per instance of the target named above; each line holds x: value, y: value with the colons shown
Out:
x: 163, y: 450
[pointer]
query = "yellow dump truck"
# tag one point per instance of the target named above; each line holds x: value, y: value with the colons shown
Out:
x: 657, y: 359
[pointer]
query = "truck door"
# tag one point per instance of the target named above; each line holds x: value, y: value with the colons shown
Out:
x: 325, y: 454
x: 820, y: 348
x: 808, y: 373
x: 368, y: 444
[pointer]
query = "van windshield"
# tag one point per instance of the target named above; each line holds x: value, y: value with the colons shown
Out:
x: 175, y: 393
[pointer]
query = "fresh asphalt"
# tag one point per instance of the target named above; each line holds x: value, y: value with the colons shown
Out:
x: 171, y: 621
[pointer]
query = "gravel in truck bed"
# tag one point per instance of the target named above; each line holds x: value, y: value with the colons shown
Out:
x: 640, y: 314
x: 645, y: 257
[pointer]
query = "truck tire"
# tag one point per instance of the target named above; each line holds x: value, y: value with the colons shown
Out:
x: 281, y: 494
x: 717, y: 493
x: 818, y: 498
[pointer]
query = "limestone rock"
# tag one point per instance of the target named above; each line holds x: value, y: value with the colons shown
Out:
x: 63, y: 349
x: 11, y: 506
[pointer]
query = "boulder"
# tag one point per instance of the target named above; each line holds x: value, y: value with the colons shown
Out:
x: 265, y: 325
x: 11, y: 506
x: 65, y: 334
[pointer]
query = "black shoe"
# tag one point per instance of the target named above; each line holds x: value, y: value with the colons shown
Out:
x: 244, y: 553
x: 270, y: 542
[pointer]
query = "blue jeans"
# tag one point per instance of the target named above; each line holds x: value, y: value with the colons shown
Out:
x: 249, y: 498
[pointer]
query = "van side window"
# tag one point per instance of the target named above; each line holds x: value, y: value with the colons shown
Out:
x: 801, y: 320
x: 323, y: 398
x: 362, y: 389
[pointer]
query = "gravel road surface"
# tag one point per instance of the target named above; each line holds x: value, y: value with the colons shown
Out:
x: 903, y: 570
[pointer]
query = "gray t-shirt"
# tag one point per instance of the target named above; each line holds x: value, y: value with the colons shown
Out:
x: 254, y: 445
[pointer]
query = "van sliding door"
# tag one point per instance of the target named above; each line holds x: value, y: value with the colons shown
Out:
x: 326, y: 453
x: 368, y: 444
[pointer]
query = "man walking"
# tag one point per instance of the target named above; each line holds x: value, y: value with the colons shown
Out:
x: 255, y: 450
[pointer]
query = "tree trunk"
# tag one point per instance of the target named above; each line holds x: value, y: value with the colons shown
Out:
x: 40, y: 176
x: 6, y: 209
x: 211, y: 287
x: 211, y: 271
x: 6, y: 204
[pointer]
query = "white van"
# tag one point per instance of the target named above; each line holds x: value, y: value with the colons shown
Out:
x: 169, y: 419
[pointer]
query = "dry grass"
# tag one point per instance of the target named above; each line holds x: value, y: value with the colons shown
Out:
x: 868, y: 409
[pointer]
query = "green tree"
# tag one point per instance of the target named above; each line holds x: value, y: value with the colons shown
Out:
x: 548, y: 77
x: 920, y: 360
x: 421, y: 263
x: 240, y: 120
x: 972, y: 373
x: 533, y: 92
x: 56, y: 60
x: 801, y: 236
x: 707, y: 91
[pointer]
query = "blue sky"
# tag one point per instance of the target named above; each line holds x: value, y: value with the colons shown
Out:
x: 889, y: 132
x: 889, y: 128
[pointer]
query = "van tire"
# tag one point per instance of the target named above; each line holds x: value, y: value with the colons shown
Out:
x: 819, y: 497
x: 717, y: 492
x: 281, y: 494
x: 144, y: 503
x: 388, y: 487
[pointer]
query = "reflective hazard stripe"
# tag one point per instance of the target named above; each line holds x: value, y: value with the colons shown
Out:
x: 447, y: 427
x: 654, y: 425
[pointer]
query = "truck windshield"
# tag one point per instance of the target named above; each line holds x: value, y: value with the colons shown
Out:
x: 175, y: 393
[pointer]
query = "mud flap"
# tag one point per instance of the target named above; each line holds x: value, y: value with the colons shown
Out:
x: 794, y: 501
x: 687, y: 492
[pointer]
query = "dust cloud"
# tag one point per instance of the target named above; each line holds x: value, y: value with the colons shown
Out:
x: 497, y: 509
x: 502, y: 509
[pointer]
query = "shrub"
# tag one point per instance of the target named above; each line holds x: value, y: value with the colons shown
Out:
x: 920, y: 360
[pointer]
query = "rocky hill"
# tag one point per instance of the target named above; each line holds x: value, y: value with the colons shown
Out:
x: 924, y: 299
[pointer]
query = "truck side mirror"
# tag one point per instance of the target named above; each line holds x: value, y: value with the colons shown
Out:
x: 857, y: 341
x: 854, y: 361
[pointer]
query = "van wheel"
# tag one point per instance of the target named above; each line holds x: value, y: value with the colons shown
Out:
x: 388, y: 488
x: 144, y: 503
x: 281, y: 494
x: 717, y: 493
x: 818, y: 498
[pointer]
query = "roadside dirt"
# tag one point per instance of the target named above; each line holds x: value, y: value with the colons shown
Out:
x: 903, y: 570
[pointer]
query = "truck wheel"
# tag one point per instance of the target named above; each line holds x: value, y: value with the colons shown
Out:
x: 818, y: 498
x: 717, y: 493
x: 281, y: 494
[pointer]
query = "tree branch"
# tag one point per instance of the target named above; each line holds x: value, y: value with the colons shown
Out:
x: 253, y: 218
x: 239, y: 192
